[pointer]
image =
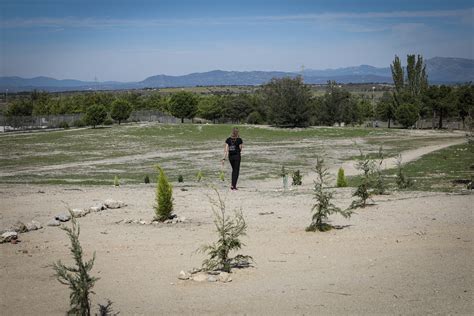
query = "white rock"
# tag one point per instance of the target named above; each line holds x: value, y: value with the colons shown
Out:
x: 142, y: 222
x: 200, y: 277
x: 211, y: 278
x: 128, y: 221
x: 53, y: 222
x: 31, y: 226
x: 77, y: 212
x: 37, y: 224
x: 18, y: 227
x: 114, y: 204
x: 7, y: 236
x: 184, y: 275
x: 224, y: 277
x: 62, y: 217
x: 95, y: 209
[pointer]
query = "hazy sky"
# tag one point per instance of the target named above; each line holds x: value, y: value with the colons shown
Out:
x: 131, y: 40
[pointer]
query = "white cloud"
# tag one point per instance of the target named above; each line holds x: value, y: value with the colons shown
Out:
x: 460, y: 15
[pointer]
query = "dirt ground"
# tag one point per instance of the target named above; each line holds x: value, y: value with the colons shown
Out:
x: 410, y: 253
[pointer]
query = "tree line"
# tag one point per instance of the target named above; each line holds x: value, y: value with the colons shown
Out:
x: 284, y: 102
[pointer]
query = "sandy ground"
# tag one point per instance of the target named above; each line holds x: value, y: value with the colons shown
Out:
x: 409, y: 254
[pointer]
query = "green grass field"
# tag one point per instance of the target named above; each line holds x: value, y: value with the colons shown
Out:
x: 96, y: 156
x: 435, y: 171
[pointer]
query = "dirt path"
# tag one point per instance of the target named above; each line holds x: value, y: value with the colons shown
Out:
x: 407, y: 156
x: 410, y: 254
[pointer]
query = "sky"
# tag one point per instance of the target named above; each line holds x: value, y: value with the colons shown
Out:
x: 120, y: 40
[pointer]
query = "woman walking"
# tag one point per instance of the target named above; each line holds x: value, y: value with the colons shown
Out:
x: 232, y: 149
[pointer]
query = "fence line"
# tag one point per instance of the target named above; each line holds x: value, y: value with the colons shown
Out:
x: 19, y: 123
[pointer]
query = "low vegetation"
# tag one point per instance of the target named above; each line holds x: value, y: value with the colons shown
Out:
x: 77, y: 277
x: 323, y: 207
x: 229, y: 231
x: 164, y: 197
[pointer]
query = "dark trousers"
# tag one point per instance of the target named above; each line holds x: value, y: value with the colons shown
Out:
x: 235, y: 163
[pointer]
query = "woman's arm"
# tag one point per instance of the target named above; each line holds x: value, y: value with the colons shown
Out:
x: 226, y: 151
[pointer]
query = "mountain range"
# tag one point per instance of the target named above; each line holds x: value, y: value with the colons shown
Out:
x: 439, y: 69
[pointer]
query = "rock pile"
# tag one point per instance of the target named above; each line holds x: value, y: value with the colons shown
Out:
x: 174, y: 220
x: 198, y: 275
x: 79, y: 212
x: 11, y: 234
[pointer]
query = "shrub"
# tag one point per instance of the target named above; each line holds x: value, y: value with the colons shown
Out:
x: 222, y: 175
x: 64, y: 125
x: 108, y: 121
x: 164, y: 197
x: 323, y: 206
x: 79, y: 123
x: 229, y: 231
x: 116, y: 181
x: 180, y: 179
x: 95, y: 115
x: 254, y: 118
x: 77, y: 277
x: 297, y: 178
x: 341, y: 179
x: 364, y: 189
x: 403, y: 182
x: 121, y: 110
x: 199, y: 176
x: 147, y: 179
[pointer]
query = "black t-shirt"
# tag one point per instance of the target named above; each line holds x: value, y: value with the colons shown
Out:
x: 234, y: 145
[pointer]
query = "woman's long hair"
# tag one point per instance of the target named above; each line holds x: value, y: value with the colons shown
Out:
x: 235, y: 133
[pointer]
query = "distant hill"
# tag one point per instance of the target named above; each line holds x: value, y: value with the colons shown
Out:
x: 440, y: 70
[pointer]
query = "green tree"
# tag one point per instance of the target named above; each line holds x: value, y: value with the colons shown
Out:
x: 121, y: 110
x: 237, y: 108
x: 409, y: 90
x: 288, y: 102
x: 398, y: 75
x: 441, y: 101
x: 465, y: 102
x: 407, y: 114
x: 229, y: 231
x: 164, y: 197
x: 183, y: 105
x: 323, y: 206
x: 210, y: 108
x: 77, y: 278
x: 95, y: 115
x: 19, y: 107
x: 386, y: 108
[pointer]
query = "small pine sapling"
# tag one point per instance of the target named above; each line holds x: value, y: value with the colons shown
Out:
x: 323, y: 206
x: 365, y: 188
x: 199, y: 176
x: 77, y: 278
x: 284, y: 176
x: 164, y: 197
x: 403, y: 182
x: 147, y: 179
x: 229, y: 230
x: 297, y: 178
x: 116, y: 181
x: 180, y: 178
x: 341, y: 179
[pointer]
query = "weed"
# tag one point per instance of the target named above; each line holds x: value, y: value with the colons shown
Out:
x: 297, y: 178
